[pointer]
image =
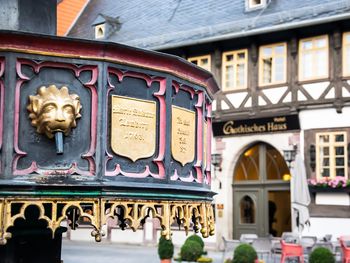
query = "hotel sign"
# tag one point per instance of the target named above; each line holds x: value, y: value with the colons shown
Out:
x: 260, y: 125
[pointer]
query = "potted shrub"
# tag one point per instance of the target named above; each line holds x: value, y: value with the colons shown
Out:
x: 321, y: 255
x: 165, y: 250
x: 191, y: 251
x: 197, y: 239
x: 244, y: 253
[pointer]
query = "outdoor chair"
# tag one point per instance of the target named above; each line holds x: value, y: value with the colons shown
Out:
x: 327, y: 237
x: 291, y: 250
x: 229, y: 247
x: 290, y: 237
x: 276, y: 248
x: 262, y: 247
x: 345, y: 247
x: 248, y: 238
x: 327, y: 244
x: 308, y: 243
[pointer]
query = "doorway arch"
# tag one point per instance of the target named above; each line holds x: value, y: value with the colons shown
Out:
x: 261, y: 192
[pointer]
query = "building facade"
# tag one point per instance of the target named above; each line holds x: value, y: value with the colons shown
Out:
x: 284, y: 71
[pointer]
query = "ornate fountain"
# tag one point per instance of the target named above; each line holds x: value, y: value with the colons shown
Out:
x: 99, y: 130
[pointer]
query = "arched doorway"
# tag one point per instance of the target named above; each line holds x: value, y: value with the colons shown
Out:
x: 261, y: 192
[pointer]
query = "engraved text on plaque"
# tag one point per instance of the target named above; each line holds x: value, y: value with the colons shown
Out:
x: 183, y: 135
x: 133, y: 128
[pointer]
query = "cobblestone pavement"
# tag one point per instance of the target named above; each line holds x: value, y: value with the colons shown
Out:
x: 91, y: 252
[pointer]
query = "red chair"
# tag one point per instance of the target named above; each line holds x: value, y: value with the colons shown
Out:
x: 344, y: 241
x: 291, y: 250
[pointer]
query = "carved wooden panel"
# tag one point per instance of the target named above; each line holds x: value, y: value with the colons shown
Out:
x: 150, y: 89
x: 35, y: 153
x: 188, y: 98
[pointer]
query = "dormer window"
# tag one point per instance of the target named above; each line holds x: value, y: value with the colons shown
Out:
x: 255, y: 4
x: 100, y: 31
x: 104, y: 26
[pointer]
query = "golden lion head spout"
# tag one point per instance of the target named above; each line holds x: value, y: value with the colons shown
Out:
x: 54, y: 110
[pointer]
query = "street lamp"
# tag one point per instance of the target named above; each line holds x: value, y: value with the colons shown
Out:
x: 289, y: 155
x: 216, y: 159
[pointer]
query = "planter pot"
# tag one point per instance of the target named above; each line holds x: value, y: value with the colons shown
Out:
x: 168, y: 260
x: 315, y: 189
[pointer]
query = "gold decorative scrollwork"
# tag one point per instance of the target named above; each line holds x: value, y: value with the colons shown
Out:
x: 53, y: 218
x: 131, y: 213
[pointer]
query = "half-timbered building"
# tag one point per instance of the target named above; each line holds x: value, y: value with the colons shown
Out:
x: 284, y: 70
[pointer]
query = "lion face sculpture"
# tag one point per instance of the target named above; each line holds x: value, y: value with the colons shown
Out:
x: 54, y: 110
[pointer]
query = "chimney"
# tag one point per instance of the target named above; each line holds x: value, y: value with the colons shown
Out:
x: 35, y: 16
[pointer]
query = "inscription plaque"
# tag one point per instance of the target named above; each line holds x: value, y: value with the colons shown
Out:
x: 133, y: 128
x: 183, y: 135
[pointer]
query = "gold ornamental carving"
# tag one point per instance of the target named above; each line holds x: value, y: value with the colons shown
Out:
x: 54, y: 110
x: 183, y: 128
x: 133, y: 127
x: 198, y: 215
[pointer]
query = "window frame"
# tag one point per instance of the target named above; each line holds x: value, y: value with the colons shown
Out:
x: 200, y: 58
x: 313, y: 49
x: 234, y: 64
x: 331, y: 144
x: 345, y: 52
x: 273, y: 56
x: 251, y: 7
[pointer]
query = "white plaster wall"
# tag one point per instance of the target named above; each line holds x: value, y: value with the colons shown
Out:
x: 332, y: 199
x: 324, y: 118
x: 127, y: 236
x: 323, y: 226
x: 82, y: 234
x: 234, y: 147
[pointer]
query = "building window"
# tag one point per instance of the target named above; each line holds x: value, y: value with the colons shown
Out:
x: 331, y: 154
x: 247, y: 210
x: 313, y: 58
x: 272, y: 64
x: 234, y: 71
x: 255, y: 4
x: 202, y: 61
x: 346, y: 54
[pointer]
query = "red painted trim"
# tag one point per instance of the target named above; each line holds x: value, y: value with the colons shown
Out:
x: 159, y: 160
x: 177, y: 88
x: 74, y: 169
x: 209, y: 136
x: 94, y: 109
x: 160, y: 95
x: 199, y: 164
x: 98, y: 50
x: 2, y: 95
x: 188, y: 179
